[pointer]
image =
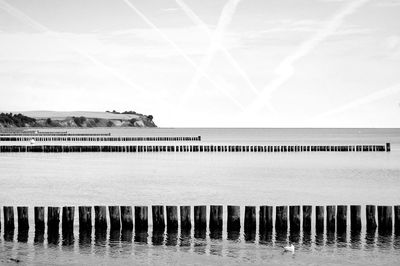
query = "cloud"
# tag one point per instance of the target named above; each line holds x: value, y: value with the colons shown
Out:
x: 375, y: 96
x: 285, y: 70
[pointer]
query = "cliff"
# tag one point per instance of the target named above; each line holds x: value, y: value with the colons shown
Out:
x: 75, y: 119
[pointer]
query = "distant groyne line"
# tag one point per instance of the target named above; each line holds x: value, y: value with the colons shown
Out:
x: 94, y: 138
x: 32, y: 134
x: 296, y: 218
x: 192, y: 148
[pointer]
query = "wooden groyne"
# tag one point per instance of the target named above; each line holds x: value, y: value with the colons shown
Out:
x: 34, y: 134
x: 292, y: 218
x: 191, y: 148
x: 93, y: 138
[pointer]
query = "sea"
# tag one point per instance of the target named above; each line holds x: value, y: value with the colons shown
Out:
x: 243, y: 179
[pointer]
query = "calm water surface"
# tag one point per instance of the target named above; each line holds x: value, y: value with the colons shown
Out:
x: 207, y: 178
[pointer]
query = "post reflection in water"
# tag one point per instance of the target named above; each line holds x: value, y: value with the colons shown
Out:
x: 113, y: 242
x: 53, y: 236
x: 157, y: 237
x: 319, y: 238
x: 355, y: 239
x: 9, y: 234
x: 341, y: 239
x: 22, y: 235
x: 172, y: 238
x: 141, y: 236
x: 68, y: 237
x: 306, y: 240
x: 100, y: 236
x: 39, y: 236
x: 281, y: 238
x: 185, y: 238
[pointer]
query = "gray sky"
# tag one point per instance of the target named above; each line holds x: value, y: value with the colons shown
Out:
x: 259, y: 63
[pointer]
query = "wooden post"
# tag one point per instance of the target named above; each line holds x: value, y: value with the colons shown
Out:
x: 385, y: 219
x: 126, y: 217
x: 265, y: 219
x: 387, y: 147
x: 294, y: 218
x: 233, y: 218
x: 158, y: 218
x: 307, y: 213
x: 53, y: 219
x: 23, y: 221
x: 330, y: 218
x: 370, y: 217
x: 281, y: 221
x: 39, y: 218
x: 141, y: 218
x: 172, y: 218
x: 249, y: 219
x: 85, y: 217
x: 355, y: 218
x: 319, y: 219
x: 100, y: 217
x: 115, y: 217
x: 200, y: 217
x: 397, y: 219
x: 68, y: 214
x: 8, y: 218
x: 186, y: 220
x: 341, y: 218
x: 216, y: 216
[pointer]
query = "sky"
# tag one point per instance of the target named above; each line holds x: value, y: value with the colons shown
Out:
x: 206, y: 63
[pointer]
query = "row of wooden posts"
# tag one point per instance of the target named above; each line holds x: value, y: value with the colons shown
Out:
x: 193, y: 148
x: 50, y: 133
x: 94, y: 138
x: 285, y: 217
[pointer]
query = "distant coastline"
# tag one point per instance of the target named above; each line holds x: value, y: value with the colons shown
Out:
x: 78, y: 119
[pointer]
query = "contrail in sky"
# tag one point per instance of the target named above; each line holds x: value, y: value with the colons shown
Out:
x: 213, y: 45
x: 285, y: 70
x: 183, y: 54
x: 41, y: 28
x: 375, y: 96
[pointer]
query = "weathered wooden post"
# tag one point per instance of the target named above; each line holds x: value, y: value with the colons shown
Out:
x: 397, y: 219
x: 319, y: 219
x: 370, y: 211
x: 216, y: 216
x: 115, y: 217
x: 387, y: 147
x: 85, y: 217
x: 233, y: 223
x: 8, y: 218
x: 200, y: 217
x: 172, y: 218
x: 39, y: 218
x: 355, y: 218
x: 53, y: 218
x: 341, y: 218
x: 100, y: 217
x: 141, y: 218
x: 126, y: 218
x: 281, y: 221
x: 307, y: 213
x: 68, y: 215
x: 158, y: 218
x: 294, y: 218
x: 23, y: 221
x: 265, y: 219
x: 330, y: 218
x: 186, y: 220
x: 249, y: 219
x: 385, y: 223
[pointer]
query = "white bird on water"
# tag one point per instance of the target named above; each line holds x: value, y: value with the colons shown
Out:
x: 289, y: 248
